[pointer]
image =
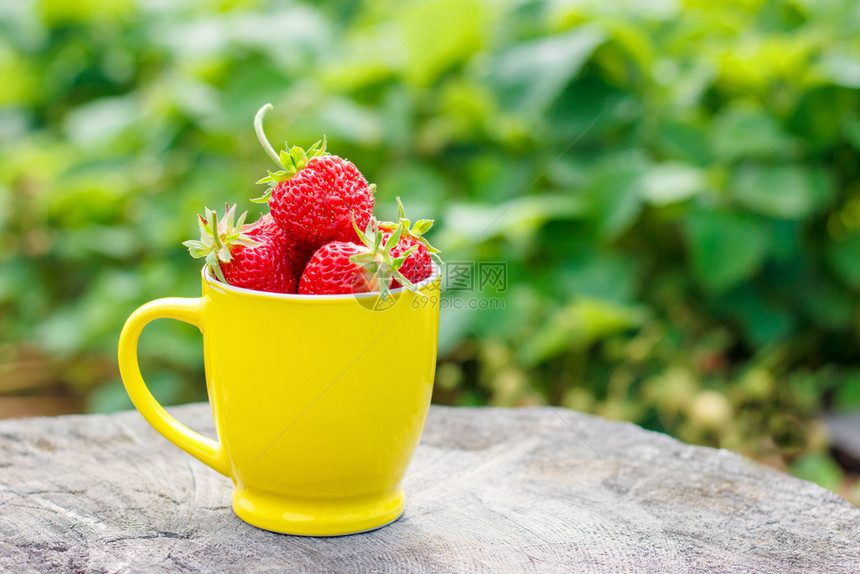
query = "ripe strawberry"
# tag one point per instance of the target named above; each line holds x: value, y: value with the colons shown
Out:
x: 295, y: 252
x: 249, y: 256
x: 417, y: 266
x: 330, y: 271
x: 268, y: 226
x: 342, y: 267
x: 315, y: 196
x: 300, y: 257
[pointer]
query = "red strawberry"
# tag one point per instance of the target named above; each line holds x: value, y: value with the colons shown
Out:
x: 249, y: 256
x: 342, y: 267
x: 300, y: 257
x: 268, y: 226
x: 418, y: 264
x: 296, y: 253
x: 330, y: 271
x: 417, y: 267
x: 315, y: 196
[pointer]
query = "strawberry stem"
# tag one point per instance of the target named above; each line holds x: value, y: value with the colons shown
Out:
x: 261, y: 135
x: 291, y: 160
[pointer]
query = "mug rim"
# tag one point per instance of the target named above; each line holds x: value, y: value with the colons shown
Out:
x: 218, y: 285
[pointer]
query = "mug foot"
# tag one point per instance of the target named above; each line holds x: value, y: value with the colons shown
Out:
x: 317, y: 517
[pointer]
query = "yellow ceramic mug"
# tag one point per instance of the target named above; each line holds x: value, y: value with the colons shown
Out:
x: 319, y: 401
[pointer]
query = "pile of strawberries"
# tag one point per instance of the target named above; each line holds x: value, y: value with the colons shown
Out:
x: 319, y: 237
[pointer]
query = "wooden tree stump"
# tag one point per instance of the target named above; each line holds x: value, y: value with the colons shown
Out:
x: 496, y: 490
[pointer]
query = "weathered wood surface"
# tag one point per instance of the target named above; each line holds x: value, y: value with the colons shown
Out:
x: 489, y: 490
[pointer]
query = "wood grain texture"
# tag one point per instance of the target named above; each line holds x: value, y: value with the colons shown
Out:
x: 489, y: 490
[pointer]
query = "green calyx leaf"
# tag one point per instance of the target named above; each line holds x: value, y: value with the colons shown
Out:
x: 422, y: 226
x: 265, y: 197
x: 398, y: 262
x: 416, y: 231
x: 219, y: 236
x: 291, y: 159
x: 394, y: 238
x: 378, y: 264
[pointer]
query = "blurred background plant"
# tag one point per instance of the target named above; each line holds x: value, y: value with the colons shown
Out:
x: 673, y: 187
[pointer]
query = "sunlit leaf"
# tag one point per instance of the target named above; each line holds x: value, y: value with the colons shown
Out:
x: 581, y: 323
x: 671, y: 182
x: 785, y: 191
x: 530, y: 76
x: 438, y: 34
x: 749, y: 133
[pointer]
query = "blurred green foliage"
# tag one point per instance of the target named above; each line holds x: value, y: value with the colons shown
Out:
x: 673, y: 186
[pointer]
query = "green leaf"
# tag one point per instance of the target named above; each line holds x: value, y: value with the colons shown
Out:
x: 394, y: 238
x: 299, y: 158
x: 352, y: 122
x: 318, y: 149
x: 438, y: 34
x: 672, y: 182
x: 263, y: 198
x: 685, y: 141
x: 247, y: 241
x: 111, y: 398
x: 782, y: 191
x: 742, y: 133
x: 196, y: 248
x: 597, y: 274
x: 401, y: 212
x: 406, y: 254
x: 229, y: 219
x: 216, y: 269
x: 820, y: 469
x: 847, y: 398
x: 470, y: 222
x: 851, y: 129
x: 582, y: 322
x: 421, y: 226
x: 363, y: 259
x: 765, y: 321
x: 530, y: 76
x: 829, y: 303
x: 844, y: 258
x: 726, y: 247
x: 842, y: 67
x: 404, y: 281
x: 820, y: 115
x: 614, y: 193
x: 286, y: 161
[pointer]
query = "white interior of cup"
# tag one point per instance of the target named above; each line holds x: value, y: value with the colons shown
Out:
x: 223, y: 287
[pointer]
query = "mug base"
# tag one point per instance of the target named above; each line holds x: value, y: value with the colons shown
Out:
x: 317, y: 517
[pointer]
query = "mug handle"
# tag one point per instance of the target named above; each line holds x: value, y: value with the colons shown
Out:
x: 207, y: 451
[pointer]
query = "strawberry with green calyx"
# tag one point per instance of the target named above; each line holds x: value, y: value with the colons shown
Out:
x: 330, y: 271
x: 417, y: 266
x: 249, y: 256
x: 314, y: 196
x: 342, y: 267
